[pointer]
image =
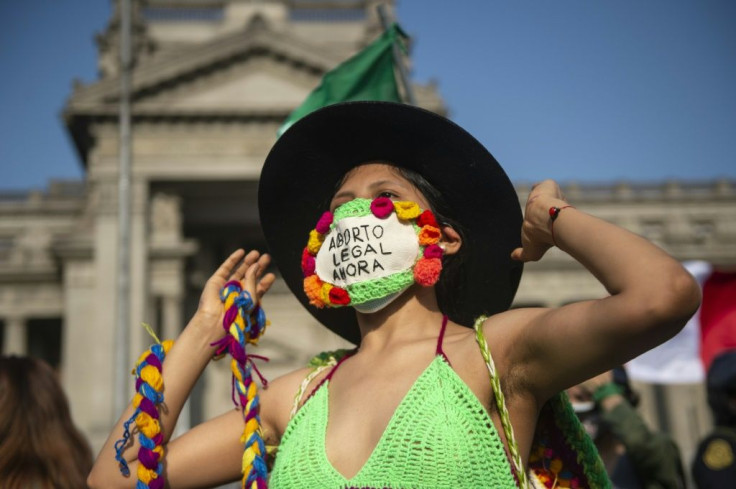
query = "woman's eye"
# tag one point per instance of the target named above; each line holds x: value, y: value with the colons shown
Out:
x: 388, y: 194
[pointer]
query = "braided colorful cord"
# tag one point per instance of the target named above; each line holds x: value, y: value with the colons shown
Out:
x: 245, y: 322
x: 149, y: 396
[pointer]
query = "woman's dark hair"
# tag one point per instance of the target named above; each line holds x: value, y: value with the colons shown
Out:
x: 39, y: 445
x: 451, y: 281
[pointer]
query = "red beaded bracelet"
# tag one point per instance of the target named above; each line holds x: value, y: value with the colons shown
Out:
x: 554, y: 211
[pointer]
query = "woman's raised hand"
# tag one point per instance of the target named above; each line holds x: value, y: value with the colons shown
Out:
x: 247, y: 270
x: 536, y: 236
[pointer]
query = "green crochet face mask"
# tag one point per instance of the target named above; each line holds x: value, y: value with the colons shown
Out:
x: 368, y: 252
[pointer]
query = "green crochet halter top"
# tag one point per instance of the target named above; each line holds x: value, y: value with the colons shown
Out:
x: 440, y: 436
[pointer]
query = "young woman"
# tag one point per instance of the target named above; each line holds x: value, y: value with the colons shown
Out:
x: 413, y: 405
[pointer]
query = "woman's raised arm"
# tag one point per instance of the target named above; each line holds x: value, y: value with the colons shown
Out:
x: 651, y: 298
x: 182, y: 367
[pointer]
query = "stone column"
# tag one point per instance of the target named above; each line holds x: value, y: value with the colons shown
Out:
x: 15, y: 342
x: 171, y: 317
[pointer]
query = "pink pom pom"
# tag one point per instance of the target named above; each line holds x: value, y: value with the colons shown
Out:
x: 308, y: 263
x: 427, y: 271
x: 433, y: 251
x: 382, y: 207
x: 324, y: 223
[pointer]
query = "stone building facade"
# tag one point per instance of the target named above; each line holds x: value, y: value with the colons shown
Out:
x: 213, y: 80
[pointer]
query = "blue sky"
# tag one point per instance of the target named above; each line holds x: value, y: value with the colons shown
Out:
x: 577, y: 90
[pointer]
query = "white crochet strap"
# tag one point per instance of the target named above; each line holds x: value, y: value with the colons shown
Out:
x: 305, y: 383
x: 500, y: 402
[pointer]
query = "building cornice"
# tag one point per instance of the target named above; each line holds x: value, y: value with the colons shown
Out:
x: 680, y: 191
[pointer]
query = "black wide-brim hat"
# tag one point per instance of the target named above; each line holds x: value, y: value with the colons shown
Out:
x: 303, y: 168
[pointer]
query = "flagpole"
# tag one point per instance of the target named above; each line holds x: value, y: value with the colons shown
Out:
x: 403, y: 74
x: 122, y: 350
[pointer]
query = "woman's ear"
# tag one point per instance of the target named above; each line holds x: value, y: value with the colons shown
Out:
x: 451, y: 241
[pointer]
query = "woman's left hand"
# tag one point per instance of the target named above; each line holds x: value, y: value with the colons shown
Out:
x: 536, y: 237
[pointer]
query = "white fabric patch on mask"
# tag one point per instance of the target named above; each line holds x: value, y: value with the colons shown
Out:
x: 365, y: 248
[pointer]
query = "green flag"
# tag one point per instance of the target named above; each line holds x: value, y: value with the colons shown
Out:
x: 368, y: 75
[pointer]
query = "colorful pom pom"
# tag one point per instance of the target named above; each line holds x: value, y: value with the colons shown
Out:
x: 427, y: 271
x: 313, y: 289
x: 324, y: 223
x: 382, y: 207
x: 315, y: 241
x: 429, y: 235
x: 340, y: 296
x: 308, y: 263
x: 427, y: 218
x: 325, y: 292
x: 433, y: 251
x: 407, y: 210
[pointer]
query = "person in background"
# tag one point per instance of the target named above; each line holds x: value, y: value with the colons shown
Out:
x: 40, y: 447
x: 635, y: 456
x: 714, y: 466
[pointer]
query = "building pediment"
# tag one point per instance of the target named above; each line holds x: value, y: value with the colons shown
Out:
x: 254, y: 85
x: 168, y: 78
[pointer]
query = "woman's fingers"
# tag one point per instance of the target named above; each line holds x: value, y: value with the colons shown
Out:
x: 264, y: 285
x: 251, y: 275
x: 263, y: 262
x: 249, y: 259
x: 228, y: 265
x: 249, y: 271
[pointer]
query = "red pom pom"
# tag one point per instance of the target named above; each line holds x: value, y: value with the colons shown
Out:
x: 433, y: 251
x: 382, y: 207
x: 308, y: 263
x: 323, y: 225
x: 427, y: 218
x: 339, y: 296
x: 427, y: 271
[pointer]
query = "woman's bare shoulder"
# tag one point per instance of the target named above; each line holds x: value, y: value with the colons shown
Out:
x: 279, y: 398
x: 511, y: 325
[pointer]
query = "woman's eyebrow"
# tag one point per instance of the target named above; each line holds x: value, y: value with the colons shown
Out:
x: 344, y: 193
x: 381, y: 183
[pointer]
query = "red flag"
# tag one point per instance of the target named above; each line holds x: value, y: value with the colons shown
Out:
x: 717, y: 316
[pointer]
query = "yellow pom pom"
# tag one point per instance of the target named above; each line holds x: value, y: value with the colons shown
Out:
x: 137, y: 398
x: 151, y: 376
x: 555, y: 466
x: 407, y: 210
x: 145, y: 475
x: 167, y: 344
x: 325, y: 292
x: 315, y: 241
x: 147, y: 425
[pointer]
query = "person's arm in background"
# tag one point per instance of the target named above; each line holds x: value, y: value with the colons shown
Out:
x: 655, y: 456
